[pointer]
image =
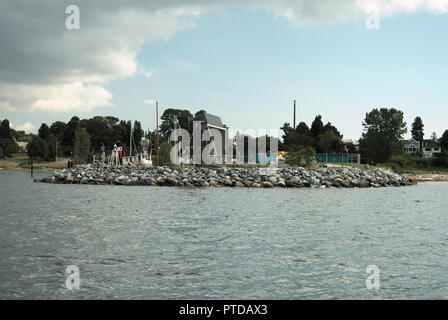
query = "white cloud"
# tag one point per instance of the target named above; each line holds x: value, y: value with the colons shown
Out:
x: 390, y: 7
x: 41, y: 60
x: 104, y: 49
x: 56, y: 97
x: 73, y: 97
x: 27, y: 127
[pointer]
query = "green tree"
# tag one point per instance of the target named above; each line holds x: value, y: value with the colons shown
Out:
x: 164, y: 153
x: 444, y: 141
x: 317, y: 127
x: 417, y: 131
x: 57, y: 128
x: 137, y: 133
x: 37, y: 149
x: 68, y: 137
x: 99, y: 132
x: 330, y: 127
x: 375, y: 147
x: 51, y: 141
x: 295, y: 138
x: 302, y: 129
x: 44, y: 131
x: 383, y: 131
x: 388, y: 122
x: 172, y: 117
x: 300, y: 156
x: 5, y: 130
x: 8, y: 147
x: 328, y: 141
x: 19, y: 135
x: 33, y: 148
x: 82, y: 145
x: 287, y: 130
x: 199, y: 115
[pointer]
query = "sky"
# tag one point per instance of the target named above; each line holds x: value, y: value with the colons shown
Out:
x: 245, y: 61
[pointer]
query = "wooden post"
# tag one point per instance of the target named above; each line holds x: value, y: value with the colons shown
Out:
x: 157, y: 133
x: 32, y: 167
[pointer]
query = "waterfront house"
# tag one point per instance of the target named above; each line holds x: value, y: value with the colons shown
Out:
x: 411, y: 146
x: 431, y: 147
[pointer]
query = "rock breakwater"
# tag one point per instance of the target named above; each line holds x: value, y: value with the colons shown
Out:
x: 229, y: 177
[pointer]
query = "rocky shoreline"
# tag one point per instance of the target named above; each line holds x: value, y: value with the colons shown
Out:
x: 229, y: 177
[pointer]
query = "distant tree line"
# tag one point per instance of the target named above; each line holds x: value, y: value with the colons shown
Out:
x: 79, y: 139
x: 322, y: 138
x: 381, y: 140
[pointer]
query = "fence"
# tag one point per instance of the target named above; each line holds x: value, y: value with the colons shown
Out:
x: 338, y: 157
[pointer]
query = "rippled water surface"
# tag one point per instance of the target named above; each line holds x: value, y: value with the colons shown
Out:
x: 221, y: 243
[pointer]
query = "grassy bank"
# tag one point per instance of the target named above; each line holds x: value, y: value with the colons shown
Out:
x: 410, y: 165
x: 21, y: 161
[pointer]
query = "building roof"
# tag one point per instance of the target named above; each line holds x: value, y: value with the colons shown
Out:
x: 431, y: 144
x: 212, y: 120
x: 411, y: 141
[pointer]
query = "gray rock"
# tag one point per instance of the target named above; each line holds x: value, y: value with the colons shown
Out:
x: 84, y: 180
x: 172, y: 181
x: 267, y: 184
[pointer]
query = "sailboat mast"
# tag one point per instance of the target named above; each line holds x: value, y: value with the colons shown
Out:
x: 130, y: 144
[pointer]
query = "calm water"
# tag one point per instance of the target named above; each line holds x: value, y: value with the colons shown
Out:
x: 166, y: 243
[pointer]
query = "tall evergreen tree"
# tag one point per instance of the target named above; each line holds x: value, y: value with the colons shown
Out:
x: 5, y: 130
x: 138, y: 135
x: 302, y: 128
x: 317, y: 127
x: 417, y: 131
x: 44, y: 131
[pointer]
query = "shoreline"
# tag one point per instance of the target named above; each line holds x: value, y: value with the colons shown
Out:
x: 424, y: 177
x: 428, y: 177
x: 229, y: 177
x: 28, y: 170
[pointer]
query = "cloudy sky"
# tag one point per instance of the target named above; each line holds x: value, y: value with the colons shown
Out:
x: 245, y: 61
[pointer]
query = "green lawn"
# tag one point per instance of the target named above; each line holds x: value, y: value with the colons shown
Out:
x: 20, y: 160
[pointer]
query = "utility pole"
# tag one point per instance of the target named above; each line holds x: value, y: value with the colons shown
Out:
x: 76, y: 144
x: 294, y: 115
x: 157, y: 133
x: 130, y: 143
